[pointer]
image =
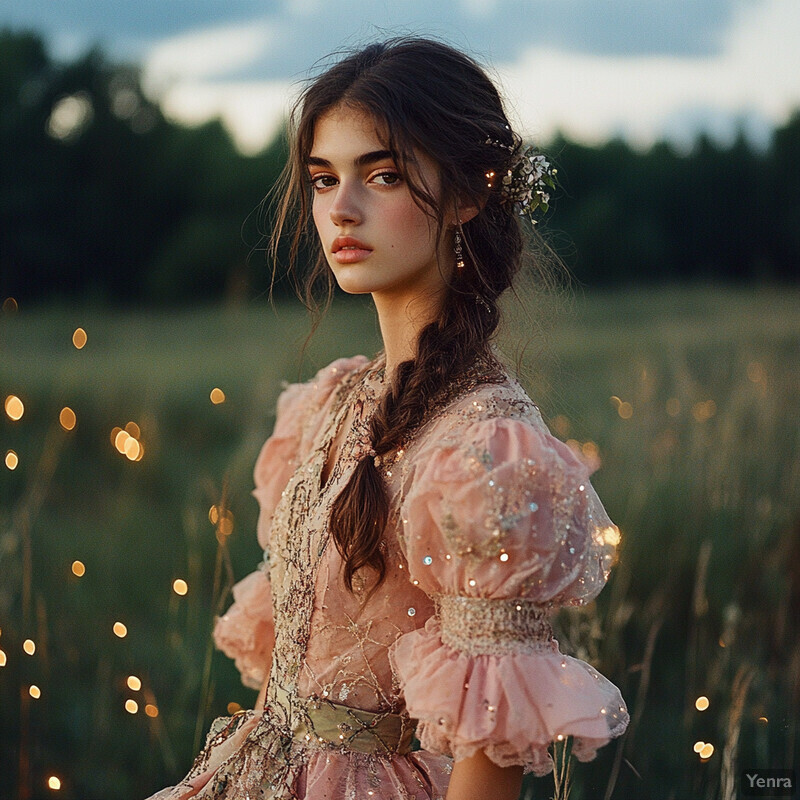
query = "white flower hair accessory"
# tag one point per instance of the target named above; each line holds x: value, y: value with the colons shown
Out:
x: 527, y: 181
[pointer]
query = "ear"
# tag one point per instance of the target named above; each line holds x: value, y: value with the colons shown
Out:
x: 464, y: 213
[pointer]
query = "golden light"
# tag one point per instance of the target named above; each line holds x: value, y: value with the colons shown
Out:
x: 611, y: 535
x: 673, y: 406
x: 132, y: 429
x: 34, y: 691
x: 707, y: 750
x: 134, y: 684
x: 3, y: 659
x: 762, y: 720
x: 10, y: 305
x: 225, y: 526
x: 120, y: 439
x: 14, y: 407
x: 131, y: 706
x: 217, y: 396
x: 67, y: 418
x: 701, y: 704
x: 141, y: 452
x: 222, y: 519
x: 132, y: 448
x: 53, y: 783
x: 12, y: 460
x: 233, y: 708
x: 698, y: 746
x: 151, y: 710
x: 29, y: 646
x: 561, y: 425
x: 78, y: 568
x: 702, y: 412
x: 625, y: 410
x: 590, y: 450
x: 79, y: 338
x: 179, y: 586
x: 120, y: 630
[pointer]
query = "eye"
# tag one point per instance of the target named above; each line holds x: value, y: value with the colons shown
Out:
x: 386, y: 178
x: 322, y: 181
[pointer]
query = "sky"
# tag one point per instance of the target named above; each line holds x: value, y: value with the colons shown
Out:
x: 592, y: 69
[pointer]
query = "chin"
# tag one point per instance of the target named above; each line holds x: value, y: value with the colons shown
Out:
x: 354, y: 290
x: 351, y: 283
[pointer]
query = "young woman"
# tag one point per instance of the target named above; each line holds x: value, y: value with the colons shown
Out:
x: 418, y: 519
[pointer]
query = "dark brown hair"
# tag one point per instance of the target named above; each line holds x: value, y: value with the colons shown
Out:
x: 431, y: 99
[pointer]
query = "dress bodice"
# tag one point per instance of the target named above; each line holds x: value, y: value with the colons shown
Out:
x: 328, y: 641
x: 492, y: 522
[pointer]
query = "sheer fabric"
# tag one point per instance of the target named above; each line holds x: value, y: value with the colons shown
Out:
x: 493, y: 522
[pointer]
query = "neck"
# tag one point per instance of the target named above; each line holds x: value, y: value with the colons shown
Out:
x: 401, y: 321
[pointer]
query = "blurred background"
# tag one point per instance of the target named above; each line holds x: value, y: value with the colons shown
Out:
x: 140, y: 361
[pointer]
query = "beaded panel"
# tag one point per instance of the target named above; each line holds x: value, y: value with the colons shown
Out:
x: 483, y: 626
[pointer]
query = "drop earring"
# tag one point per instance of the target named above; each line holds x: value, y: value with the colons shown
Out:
x: 458, y: 250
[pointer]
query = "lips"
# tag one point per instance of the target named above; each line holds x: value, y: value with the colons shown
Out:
x: 347, y: 250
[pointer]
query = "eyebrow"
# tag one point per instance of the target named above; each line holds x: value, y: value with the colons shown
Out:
x: 364, y: 160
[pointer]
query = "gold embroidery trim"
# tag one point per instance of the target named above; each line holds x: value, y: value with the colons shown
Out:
x: 485, y: 626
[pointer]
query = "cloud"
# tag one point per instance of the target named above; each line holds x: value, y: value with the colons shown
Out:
x: 591, y: 97
x: 752, y: 80
x: 500, y: 29
x: 251, y: 111
x: 636, y: 67
x: 142, y: 22
x: 206, y: 53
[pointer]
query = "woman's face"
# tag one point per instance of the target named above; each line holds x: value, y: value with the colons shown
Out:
x: 375, y: 237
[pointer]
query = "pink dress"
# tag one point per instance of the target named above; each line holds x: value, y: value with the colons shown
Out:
x: 493, y: 522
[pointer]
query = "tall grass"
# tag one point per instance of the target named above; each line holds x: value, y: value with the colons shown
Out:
x: 689, y: 399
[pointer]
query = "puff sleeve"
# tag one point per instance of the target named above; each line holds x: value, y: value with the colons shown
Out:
x: 246, y: 632
x: 500, y: 524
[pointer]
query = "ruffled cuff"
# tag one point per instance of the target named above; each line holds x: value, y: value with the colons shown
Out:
x: 512, y: 706
x: 246, y: 632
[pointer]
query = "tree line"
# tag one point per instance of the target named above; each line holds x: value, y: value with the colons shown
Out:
x: 103, y: 198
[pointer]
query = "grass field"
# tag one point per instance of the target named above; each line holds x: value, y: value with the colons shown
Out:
x: 688, y: 398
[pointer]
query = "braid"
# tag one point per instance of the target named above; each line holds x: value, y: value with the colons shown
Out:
x: 433, y: 100
x: 446, y: 350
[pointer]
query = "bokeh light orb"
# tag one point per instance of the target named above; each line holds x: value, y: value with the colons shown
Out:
x: 15, y: 408
x: 67, y: 418
x: 79, y: 338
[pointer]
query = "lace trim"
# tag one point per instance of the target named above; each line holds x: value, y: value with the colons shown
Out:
x: 484, y: 626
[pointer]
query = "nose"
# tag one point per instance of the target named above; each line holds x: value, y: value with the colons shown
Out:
x: 345, y: 208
